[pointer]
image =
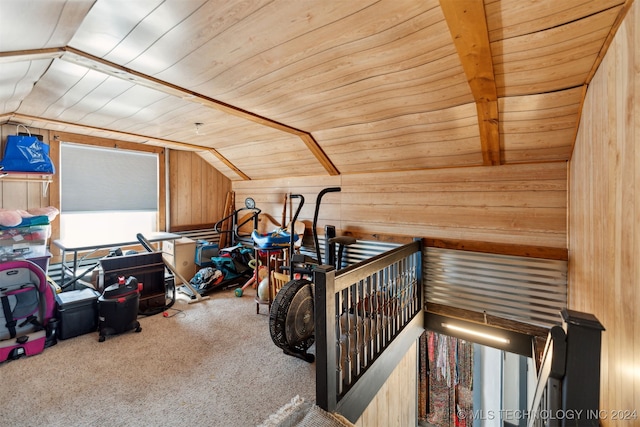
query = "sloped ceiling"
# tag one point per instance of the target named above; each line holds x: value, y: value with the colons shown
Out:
x: 289, y: 88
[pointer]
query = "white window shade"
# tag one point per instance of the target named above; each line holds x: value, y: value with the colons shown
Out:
x: 102, y: 179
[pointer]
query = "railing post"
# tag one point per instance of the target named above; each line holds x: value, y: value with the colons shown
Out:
x: 581, y: 383
x: 325, y: 337
x: 420, y: 268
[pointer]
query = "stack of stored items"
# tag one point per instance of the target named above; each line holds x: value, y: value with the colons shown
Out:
x: 34, y: 315
x: 25, y: 234
x: 29, y: 239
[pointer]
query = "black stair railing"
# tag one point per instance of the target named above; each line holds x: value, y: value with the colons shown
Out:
x: 568, y: 388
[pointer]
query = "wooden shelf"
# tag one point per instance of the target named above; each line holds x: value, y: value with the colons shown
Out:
x: 26, y: 176
x: 44, y: 178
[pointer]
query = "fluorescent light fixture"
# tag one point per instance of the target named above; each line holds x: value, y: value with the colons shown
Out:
x: 476, y: 333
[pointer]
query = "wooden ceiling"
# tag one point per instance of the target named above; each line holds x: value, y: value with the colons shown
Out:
x: 290, y: 88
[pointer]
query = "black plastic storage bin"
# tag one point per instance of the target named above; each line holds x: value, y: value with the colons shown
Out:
x: 77, y: 312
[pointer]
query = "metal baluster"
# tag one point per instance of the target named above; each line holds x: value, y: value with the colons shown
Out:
x: 339, y: 350
x: 348, y: 363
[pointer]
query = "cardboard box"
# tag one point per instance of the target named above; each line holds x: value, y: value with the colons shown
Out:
x: 180, y: 254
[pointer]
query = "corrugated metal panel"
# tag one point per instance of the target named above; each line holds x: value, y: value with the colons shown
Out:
x: 360, y: 251
x: 531, y: 290
x: 365, y: 249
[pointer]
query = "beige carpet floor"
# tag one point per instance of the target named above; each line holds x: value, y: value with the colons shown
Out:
x: 209, y: 364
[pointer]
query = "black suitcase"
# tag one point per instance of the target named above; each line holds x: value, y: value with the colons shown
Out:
x: 118, y: 308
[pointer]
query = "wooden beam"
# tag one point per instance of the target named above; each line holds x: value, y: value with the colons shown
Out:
x: 155, y: 144
x: 560, y: 254
x: 317, y: 151
x: 110, y: 143
x: 126, y: 135
x: 489, y: 132
x: 54, y: 191
x: 229, y: 164
x: 31, y: 55
x: 103, y: 142
x: 468, y: 26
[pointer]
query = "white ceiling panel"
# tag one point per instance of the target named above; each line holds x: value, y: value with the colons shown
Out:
x: 17, y: 80
x: 28, y: 25
x: 109, y: 23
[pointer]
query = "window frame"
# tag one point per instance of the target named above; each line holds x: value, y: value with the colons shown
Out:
x: 56, y: 138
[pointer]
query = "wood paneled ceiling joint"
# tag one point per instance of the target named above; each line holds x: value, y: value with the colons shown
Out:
x: 88, y: 60
x: 612, y: 32
x: 137, y: 138
x: 317, y: 151
x: 31, y: 55
x: 229, y: 164
x: 467, y: 24
x: 84, y: 59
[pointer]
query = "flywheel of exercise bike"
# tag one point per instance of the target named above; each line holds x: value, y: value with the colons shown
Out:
x: 291, y: 319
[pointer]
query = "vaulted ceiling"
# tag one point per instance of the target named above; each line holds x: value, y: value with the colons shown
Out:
x: 290, y: 88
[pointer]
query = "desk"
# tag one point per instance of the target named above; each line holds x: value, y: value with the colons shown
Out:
x: 92, y: 246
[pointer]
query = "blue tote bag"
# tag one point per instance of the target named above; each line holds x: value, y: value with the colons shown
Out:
x: 26, y: 154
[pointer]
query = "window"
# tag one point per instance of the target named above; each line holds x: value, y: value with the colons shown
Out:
x: 107, y: 195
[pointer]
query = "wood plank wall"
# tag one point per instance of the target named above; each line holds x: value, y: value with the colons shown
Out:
x: 197, y: 192
x: 396, y: 404
x: 511, y: 204
x: 604, y: 218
